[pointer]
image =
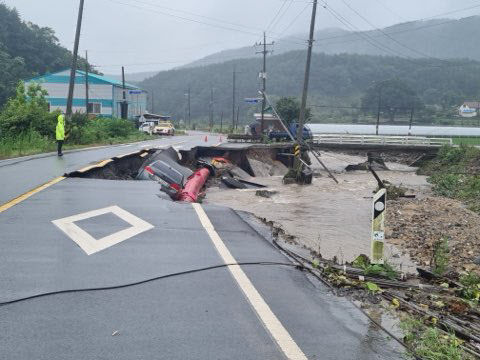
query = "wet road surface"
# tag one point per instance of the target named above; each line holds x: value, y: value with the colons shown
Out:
x: 202, y: 315
x: 20, y: 175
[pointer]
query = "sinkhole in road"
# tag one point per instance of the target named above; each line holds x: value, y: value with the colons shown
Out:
x: 254, y: 161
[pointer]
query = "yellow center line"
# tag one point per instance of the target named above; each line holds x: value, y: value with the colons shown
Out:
x: 25, y: 196
x: 100, y: 164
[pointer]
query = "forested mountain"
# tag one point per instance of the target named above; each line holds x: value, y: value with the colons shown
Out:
x: 336, y: 80
x: 27, y: 50
x: 440, y: 38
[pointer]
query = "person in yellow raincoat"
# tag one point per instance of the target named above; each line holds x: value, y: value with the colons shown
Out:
x: 60, y: 133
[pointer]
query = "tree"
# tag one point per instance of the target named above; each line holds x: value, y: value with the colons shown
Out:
x: 27, y: 111
x: 289, y: 110
x: 392, y: 97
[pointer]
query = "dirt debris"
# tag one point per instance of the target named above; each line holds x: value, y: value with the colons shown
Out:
x: 416, y: 225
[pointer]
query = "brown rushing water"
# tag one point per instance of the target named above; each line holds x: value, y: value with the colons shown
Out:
x: 332, y: 219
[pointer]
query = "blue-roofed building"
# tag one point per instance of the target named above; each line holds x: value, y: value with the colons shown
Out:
x: 105, y: 94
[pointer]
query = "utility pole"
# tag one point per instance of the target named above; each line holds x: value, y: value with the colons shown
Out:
x: 153, y: 101
x: 87, y: 100
x: 189, y: 107
x: 73, y: 71
x: 263, y: 75
x: 238, y: 115
x: 211, y: 109
x: 301, y: 120
x: 221, y: 123
x: 124, y: 106
x: 234, y: 96
x: 185, y: 111
x: 411, y: 122
x: 379, y: 108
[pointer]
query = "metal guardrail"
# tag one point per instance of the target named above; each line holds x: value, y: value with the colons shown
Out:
x: 379, y: 140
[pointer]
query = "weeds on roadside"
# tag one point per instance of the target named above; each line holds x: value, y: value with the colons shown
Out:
x: 386, y: 270
x: 429, y: 343
x: 440, y: 256
x: 471, y: 287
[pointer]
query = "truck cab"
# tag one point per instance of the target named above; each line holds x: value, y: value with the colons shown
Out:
x: 293, y: 128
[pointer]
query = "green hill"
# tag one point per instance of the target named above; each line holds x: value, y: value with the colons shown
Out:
x: 440, y: 38
x: 336, y: 80
x: 27, y: 50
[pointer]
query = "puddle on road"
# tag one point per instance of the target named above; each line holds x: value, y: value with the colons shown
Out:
x: 331, y: 219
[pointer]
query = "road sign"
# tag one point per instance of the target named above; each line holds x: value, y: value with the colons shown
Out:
x: 253, y: 100
x: 135, y: 92
x: 378, y: 227
x: 297, y: 150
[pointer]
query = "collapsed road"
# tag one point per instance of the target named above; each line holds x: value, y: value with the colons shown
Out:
x: 103, y: 266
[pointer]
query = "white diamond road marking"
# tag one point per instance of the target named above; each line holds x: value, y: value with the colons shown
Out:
x: 91, y: 245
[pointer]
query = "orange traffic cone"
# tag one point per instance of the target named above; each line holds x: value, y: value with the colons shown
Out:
x: 206, y: 138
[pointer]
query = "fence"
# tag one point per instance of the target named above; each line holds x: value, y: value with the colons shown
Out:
x: 380, y: 140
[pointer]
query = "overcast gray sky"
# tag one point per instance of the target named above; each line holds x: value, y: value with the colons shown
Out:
x: 150, y: 35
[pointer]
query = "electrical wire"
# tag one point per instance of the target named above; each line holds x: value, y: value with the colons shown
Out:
x: 389, y: 36
x: 224, y: 27
x: 274, y: 25
x: 368, y: 38
x: 300, y: 261
x: 407, y: 30
x: 116, y: 287
x: 276, y: 15
x: 294, y: 20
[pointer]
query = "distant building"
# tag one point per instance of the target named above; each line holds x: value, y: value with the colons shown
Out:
x: 105, y: 94
x: 469, y: 109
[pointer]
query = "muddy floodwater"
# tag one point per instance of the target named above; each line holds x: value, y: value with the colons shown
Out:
x: 334, y: 220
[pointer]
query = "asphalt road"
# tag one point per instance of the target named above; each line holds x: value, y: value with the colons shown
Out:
x: 86, y: 233
x: 20, y: 175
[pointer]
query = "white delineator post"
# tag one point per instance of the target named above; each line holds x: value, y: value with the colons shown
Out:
x: 378, y: 227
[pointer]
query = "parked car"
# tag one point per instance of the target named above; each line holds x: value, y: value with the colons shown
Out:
x: 283, y: 135
x: 147, y: 127
x: 164, y: 128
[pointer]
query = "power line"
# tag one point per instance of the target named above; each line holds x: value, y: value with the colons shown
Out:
x: 192, y: 20
x: 294, y: 20
x: 390, y: 10
x: 365, y: 36
x: 274, y: 25
x: 379, y: 45
x: 278, y: 13
x: 388, y: 35
x: 412, y: 21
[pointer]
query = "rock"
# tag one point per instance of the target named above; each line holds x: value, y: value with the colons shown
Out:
x: 239, y: 173
x: 278, y: 169
x: 266, y: 193
x: 260, y: 169
x: 470, y: 267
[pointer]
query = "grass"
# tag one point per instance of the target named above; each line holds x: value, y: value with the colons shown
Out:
x: 429, y: 343
x: 32, y: 143
x: 466, y: 140
x: 440, y: 257
x: 455, y: 173
x: 385, y: 270
x: 471, y: 287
